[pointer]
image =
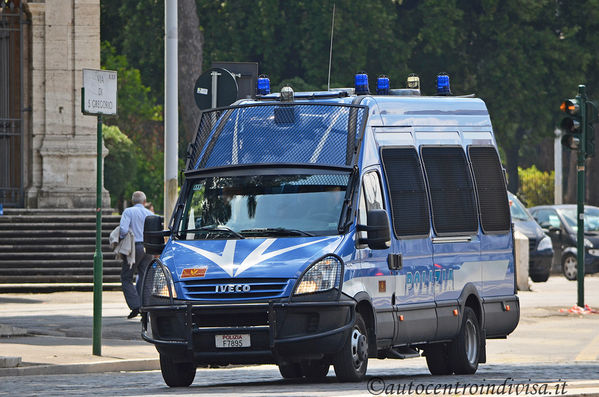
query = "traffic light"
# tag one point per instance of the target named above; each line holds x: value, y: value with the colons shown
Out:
x: 570, y: 125
x: 591, y: 119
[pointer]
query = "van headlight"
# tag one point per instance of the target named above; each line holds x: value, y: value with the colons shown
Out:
x: 157, y: 282
x: 544, y: 244
x: 161, y: 284
x: 322, y: 276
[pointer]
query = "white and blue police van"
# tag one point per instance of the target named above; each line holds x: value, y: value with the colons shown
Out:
x: 327, y: 228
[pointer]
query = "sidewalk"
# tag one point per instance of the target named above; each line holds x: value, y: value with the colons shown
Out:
x: 51, y: 333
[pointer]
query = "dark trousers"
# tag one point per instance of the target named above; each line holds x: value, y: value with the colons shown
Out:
x: 133, y: 292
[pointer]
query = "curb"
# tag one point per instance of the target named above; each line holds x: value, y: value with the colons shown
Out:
x: 83, y: 368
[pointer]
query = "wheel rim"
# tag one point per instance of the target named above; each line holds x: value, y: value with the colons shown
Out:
x: 471, y: 342
x: 359, y: 347
x: 570, y: 265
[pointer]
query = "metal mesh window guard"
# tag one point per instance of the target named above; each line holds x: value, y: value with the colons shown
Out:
x: 298, y: 133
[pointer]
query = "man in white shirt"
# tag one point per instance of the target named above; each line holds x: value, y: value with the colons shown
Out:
x: 133, y: 220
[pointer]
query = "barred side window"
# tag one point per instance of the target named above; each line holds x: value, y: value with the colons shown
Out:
x: 491, y: 189
x: 451, y: 189
x: 405, y: 182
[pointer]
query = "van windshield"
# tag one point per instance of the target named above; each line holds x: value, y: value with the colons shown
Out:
x: 263, y: 206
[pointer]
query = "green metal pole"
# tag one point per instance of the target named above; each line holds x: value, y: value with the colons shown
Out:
x: 97, y: 331
x: 580, y: 196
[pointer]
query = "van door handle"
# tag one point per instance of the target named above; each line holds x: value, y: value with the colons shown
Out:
x: 456, y: 239
x: 394, y: 261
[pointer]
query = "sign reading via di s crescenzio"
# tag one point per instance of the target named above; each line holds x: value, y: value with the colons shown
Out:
x: 99, y: 91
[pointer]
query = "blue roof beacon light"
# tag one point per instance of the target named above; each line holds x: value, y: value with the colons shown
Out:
x: 382, y: 85
x: 443, y: 84
x: 263, y: 86
x: 361, y: 84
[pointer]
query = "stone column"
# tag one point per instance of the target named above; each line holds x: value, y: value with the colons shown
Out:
x: 65, y: 39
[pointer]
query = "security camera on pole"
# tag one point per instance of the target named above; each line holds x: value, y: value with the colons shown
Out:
x: 580, y: 136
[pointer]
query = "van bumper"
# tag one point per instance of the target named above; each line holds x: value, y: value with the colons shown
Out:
x: 278, y: 331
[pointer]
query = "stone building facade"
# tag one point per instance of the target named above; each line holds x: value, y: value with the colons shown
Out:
x: 47, y: 146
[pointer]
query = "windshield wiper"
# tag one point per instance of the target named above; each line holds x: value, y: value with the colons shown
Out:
x: 212, y: 228
x: 277, y: 231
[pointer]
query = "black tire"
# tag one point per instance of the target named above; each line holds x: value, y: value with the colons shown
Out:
x: 569, y: 267
x: 177, y: 374
x: 437, y: 359
x: 352, y: 361
x: 464, y: 351
x: 290, y: 370
x: 540, y: 277
x: 315, y: 369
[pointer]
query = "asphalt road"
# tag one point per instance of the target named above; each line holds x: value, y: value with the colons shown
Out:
x: 388, y: 375
x: 549, y: 347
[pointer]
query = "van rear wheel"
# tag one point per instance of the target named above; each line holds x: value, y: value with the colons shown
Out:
x: 464, y: 351
x: 177, y: 374
x: 437, y: 359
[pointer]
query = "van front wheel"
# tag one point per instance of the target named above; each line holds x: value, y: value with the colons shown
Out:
x: 351, y: 362
x: 177, y: 374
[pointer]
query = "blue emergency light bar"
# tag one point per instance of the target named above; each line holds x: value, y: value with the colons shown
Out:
x: 263, y: 85
x: 382, y: 85
x: 361, y: 84
x: 443, y: 84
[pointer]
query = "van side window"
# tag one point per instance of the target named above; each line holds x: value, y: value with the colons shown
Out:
x: 371, y: 197
x: 407, y: 191
x: 490, y: 186
x: 372, y: 190
x: 451, y: 190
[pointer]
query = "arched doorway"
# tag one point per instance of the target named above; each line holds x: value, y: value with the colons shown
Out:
x: 11, y: 103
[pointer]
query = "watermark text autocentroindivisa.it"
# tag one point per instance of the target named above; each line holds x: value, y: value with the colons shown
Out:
x: 510, y: 386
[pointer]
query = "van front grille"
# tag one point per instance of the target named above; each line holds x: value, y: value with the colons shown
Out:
x: 230, y: 289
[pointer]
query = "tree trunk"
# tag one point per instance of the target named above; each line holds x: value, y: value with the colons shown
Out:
x: 191, y: 41
x: 512, y: 153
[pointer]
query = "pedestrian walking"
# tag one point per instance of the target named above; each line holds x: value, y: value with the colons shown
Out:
x: 132, y: 220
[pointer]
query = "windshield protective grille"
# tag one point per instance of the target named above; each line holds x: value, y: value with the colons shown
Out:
x: 296, y: 133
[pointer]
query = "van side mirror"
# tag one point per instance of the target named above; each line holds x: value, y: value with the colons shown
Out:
x: 154, y: 235
x: 377, y: 230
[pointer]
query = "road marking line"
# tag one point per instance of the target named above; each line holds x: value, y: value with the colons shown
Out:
x: 590, y: 352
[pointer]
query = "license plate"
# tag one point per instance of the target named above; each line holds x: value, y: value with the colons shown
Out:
x: 232, y: 340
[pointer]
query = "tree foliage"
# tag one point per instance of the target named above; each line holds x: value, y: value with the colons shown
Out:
x: 521, y: 56
x: 536, y: 186
x: 120, y: 167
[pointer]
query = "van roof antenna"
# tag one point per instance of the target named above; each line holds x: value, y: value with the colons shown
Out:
x: 331, y: 49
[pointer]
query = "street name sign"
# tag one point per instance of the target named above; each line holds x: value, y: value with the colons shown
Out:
x: 99, y: 92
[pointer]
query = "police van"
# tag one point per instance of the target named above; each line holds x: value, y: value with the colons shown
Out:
x: 327, y: 228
